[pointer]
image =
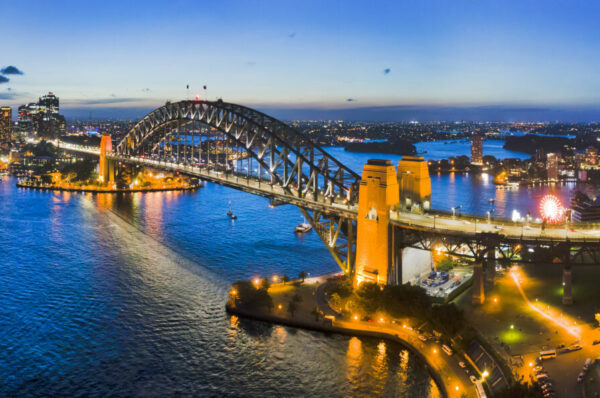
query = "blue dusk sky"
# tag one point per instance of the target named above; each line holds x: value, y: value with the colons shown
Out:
x: 309, y: 59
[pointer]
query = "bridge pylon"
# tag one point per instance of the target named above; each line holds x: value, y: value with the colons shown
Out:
x: 378, y: 193
x: 107, y: 166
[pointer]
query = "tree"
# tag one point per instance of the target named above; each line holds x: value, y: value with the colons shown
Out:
x: 250, y: 297
x: 317, y: 313
x: 445, y: 264
x: 336, y: 301
x: 285, y: 279
x: 265, y: 284
x: 520, y: 390
x: 302, y: 275
x: 448, y: 318
x: 292, y: 307
x: 370, y: 297
x: 341, y: 286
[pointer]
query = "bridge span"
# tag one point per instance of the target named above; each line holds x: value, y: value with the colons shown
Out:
x: 358, y: 218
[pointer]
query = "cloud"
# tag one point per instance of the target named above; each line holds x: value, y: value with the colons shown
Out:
x: 4, y: 79
x: 146, y: 90
x: 387, y: 71
x: 292, y: 35
x: 251, y: 63
x: 11, y: 70
x: 350, y: 100
x: 7, y: 96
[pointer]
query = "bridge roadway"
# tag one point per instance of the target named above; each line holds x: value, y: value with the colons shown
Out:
x: 237, y: 181
x: 464, y: 226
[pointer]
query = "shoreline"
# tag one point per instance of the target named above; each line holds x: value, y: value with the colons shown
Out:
x: 324, y: 328
x: 96, y: 190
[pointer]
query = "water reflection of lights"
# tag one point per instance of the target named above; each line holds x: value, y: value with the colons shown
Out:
x: 514, y: 273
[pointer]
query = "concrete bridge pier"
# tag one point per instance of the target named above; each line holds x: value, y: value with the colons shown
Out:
x: 378, y: 192
x: 567, y: 298
x: 478, y: 291
x: 107, y: 166
x: 490, y: 267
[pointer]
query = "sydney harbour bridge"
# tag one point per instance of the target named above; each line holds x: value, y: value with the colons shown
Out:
x: 358, y: 218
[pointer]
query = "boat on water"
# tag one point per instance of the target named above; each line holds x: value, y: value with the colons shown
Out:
x: 303, y: 228
x: 230, y: 213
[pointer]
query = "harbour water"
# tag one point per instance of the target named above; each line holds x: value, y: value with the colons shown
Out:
x: 123, y: 295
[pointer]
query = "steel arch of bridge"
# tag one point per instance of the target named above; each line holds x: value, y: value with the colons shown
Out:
x: 290, y: 158
x: 293, y: 162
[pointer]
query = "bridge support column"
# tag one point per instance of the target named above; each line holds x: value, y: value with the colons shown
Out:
x: 567, y: 298
x: 107, y: 166
x: 478, y: 293
x: 395, y: 247
x: 490, y: 272
x: 378, y: 193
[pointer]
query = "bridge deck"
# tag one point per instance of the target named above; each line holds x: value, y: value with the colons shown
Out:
x: 463, y: 226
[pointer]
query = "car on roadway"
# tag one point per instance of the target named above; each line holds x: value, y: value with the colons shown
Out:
x: 543, y: 379
x: 596, y: 342
x: 473, y: 379
x: 538, y: 369
x: 558, y: 347
x: 580, y: 377
x: 421, y: 337
x: 462, y: 364
x: 547, y: 393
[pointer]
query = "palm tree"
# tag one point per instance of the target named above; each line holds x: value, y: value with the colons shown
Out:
x: 285, y: 279
x: 302, y: 275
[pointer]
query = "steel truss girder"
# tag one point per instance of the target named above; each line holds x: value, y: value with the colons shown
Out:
x: 338, y: 234
x: 291, y: 159
x: 478, y: 245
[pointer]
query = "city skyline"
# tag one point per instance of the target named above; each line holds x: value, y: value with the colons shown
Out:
x: 494, y: 61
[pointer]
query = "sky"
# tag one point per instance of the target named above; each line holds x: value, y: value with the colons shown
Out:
x: 390, y: 60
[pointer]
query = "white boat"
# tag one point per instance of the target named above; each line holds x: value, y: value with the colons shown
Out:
x: 303, y: 228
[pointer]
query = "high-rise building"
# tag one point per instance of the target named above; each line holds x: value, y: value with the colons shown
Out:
x: 42, y: 118
x: 552, y: 166
x: 5, y: 125
x: 591, y: 156
x: 49, y: 103
x: 477, y: 149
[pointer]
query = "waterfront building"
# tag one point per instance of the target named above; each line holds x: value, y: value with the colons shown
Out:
x: 552, y: 167
x: 584, y: 208
x: 477, y: 149
x: 5, y: 125
x: 414, y: 183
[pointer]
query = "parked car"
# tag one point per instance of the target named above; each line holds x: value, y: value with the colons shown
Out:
x: 473, y: 379
x: 462, y: 364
